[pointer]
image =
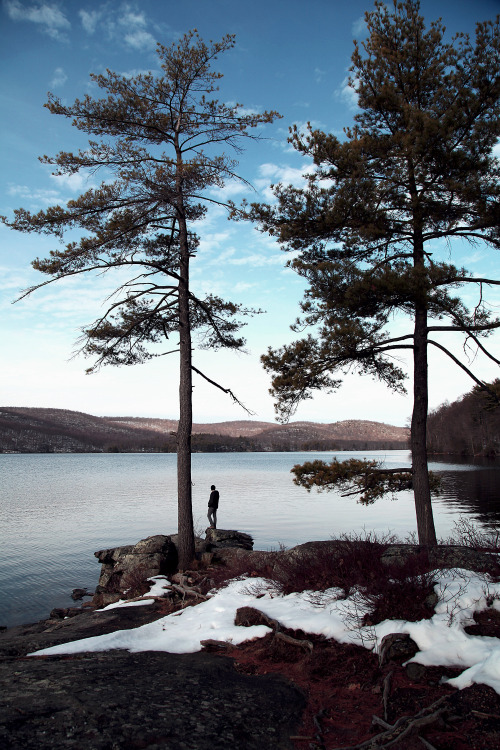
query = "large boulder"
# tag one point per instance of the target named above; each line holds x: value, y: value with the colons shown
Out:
x: 126, y: 568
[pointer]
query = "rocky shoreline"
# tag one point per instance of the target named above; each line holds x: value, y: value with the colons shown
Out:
x: 147, y: 700
x: 270, y: 694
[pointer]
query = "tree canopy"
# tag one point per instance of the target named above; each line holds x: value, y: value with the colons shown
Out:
x: 415, y: 173
x: 161, y: 144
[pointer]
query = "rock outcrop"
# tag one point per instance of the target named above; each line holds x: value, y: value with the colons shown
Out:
x: 127, y: 568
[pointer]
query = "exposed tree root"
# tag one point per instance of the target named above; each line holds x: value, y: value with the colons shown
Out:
x: 403, y: 727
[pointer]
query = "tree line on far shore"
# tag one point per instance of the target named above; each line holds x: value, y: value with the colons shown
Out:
x: 469, y: 426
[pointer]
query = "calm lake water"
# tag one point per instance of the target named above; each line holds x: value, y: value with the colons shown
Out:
x: 56, y: 510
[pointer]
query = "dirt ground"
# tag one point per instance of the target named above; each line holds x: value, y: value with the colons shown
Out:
x: 345, y: 688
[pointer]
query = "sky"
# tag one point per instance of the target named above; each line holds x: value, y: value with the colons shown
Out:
x: 290, y: 56
x: 441, y: 640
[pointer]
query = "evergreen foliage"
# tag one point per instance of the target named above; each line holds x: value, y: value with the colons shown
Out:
x: 416, y: 170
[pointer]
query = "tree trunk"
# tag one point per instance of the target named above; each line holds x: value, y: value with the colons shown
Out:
x: 185, y: 543
x: 418, y: 439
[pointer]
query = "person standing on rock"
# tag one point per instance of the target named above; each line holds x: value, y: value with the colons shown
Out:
x: 213, y: 504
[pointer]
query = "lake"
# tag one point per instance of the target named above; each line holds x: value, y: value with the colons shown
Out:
x: 56, y: 510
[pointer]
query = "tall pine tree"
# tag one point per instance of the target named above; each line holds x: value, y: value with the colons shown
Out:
x: 416, y: 169
x: 162, y: 138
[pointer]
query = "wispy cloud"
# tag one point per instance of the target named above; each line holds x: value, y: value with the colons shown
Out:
x: 140, y: 40
x: 137, y: 37
x: 89, y: 19
x: 319, y: 74
x: 124, y: 22
x: 48, y: 16
x: 35, y: 197
x: 359, y: 28
x: 59, y: 78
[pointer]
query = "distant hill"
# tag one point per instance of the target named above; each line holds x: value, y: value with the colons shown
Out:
x: 30, y: 430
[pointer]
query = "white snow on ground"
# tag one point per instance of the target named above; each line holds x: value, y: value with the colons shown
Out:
x: 441, y: 640
x: 158, y: 586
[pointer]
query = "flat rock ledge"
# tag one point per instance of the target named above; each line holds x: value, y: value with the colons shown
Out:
x: 121, y: 701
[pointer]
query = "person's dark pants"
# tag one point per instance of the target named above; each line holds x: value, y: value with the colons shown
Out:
x: 212, y: 517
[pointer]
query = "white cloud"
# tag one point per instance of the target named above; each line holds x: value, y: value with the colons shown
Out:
x: 136, y: 22
x: 132, y: 18
x: 73, y: 182
x: 210, y: 241
x: 50, y: 19
x: 287, y: 175
x: 89, y: 19
x: 59, y: 78
x: 140, y: 40
x: 347, y: 94
x: 231, y: 189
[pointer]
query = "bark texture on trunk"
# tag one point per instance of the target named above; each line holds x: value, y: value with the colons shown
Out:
x: 185, y: 543
x: 418, y: 439
x: 184, y: 492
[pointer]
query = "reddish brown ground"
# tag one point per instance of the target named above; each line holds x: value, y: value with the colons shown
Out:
x: 344, y: 686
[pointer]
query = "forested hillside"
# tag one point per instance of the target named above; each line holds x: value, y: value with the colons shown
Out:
x: 469, y: 426
x: 30, y: 430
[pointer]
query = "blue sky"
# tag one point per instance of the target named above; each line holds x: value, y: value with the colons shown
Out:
x: 290, y: 56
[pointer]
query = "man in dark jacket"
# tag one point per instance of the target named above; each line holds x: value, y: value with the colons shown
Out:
x: 213, y: 504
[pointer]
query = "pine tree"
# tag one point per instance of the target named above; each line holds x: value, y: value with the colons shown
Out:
x: 416, y: 169
x: 162, y: 138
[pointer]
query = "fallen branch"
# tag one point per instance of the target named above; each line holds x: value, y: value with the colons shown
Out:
x: 306, y: 645
x: 403, y: 727
x: 187, y: 591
